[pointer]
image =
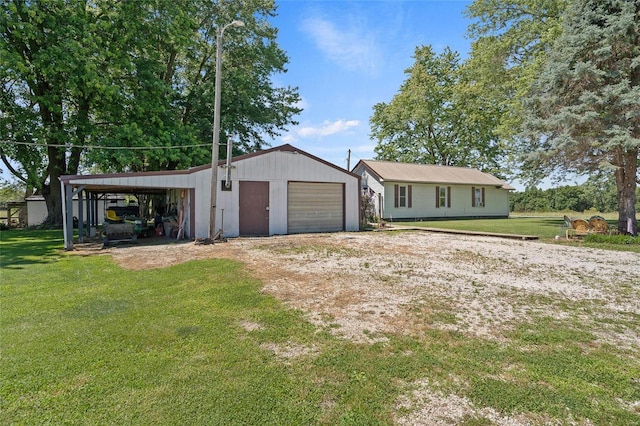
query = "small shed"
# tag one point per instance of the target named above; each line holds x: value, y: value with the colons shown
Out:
x: 37, y: 208
x: 281, y: 190
x: 406, y: 191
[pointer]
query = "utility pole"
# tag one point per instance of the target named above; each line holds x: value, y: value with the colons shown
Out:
x: 216, y: 128
x: 348, y: 160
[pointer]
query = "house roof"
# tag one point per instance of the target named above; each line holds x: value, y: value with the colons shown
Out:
x: 430, y: 173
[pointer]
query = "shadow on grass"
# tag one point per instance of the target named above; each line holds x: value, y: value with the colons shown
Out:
x: 19, y: 248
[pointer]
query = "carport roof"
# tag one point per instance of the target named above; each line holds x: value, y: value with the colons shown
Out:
x: 119, y: 189
x: 430, y: 173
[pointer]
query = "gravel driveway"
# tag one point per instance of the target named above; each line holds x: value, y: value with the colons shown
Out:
x: 370, y: 283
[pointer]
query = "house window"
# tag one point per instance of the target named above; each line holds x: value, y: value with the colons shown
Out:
x: 443, y: 196
x: 477, y: 197
x: 402, y: 196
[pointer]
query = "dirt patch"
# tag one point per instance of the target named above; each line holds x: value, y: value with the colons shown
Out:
x: 439, y: 409
x: 289, y: 351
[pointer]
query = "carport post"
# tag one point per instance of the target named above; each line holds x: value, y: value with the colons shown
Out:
x: 67, y: 212
x: 80, y: 218
x: 91, y: 211
x: 78, y: 192
x: 67, y: 216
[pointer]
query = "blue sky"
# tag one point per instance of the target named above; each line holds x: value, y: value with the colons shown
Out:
x: 346, y: 56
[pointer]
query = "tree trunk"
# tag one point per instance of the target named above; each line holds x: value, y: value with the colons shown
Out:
x: 53, y: 122
x: 51, y: 191
x: 626, y: 185
x: 82, y: 127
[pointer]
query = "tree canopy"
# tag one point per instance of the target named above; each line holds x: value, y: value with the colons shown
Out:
x: 81, y: 77
x: 584, y: 109
x: 479, y: 111
x: 511, y: 40
x: 437, y: 117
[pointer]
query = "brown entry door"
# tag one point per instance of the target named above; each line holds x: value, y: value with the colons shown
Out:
x: 254, y: 208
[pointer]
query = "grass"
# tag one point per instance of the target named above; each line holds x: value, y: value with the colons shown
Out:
x: 86, y: 342
x: 613, y: 242
x: 544, y: 227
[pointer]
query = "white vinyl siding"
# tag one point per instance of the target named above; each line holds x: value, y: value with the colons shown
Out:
x: 426, y: 202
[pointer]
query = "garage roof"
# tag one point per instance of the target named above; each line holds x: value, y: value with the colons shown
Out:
x: 147, y: 182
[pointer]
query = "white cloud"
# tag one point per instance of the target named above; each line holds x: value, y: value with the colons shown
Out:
x: 288, y: 138
x: 354, y: 48
x: 327, y: 128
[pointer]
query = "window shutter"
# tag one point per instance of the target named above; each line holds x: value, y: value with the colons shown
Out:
x: 473, y: 196
x: 483, y: 205
x: 448, y: 196
x: 396, y: 195
x: 409, y: 196
x: 437, y: 197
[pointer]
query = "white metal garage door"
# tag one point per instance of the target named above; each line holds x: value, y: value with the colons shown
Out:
x: 315, y: 207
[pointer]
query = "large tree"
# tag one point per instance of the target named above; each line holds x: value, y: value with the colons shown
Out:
x: 584, y: 111
x: 437, y: 117
x: 131, y: 75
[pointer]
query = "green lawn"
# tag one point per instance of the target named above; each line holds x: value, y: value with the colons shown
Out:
x: 86, y: 342
x: 544, y: 227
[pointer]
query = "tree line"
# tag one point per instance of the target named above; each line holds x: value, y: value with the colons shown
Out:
x: 592, y: 195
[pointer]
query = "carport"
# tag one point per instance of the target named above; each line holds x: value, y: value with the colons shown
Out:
x: 90, y: 189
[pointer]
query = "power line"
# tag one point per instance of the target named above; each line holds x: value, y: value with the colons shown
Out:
x: 357, y: 156
x: 112, y: 147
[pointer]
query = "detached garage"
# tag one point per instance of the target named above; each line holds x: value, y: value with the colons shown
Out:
x: 276, y: 191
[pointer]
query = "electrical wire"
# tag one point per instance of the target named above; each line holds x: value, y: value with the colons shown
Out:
x: 112, y: 147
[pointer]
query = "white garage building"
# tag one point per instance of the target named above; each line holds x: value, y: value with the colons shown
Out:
x: 281, y: 190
